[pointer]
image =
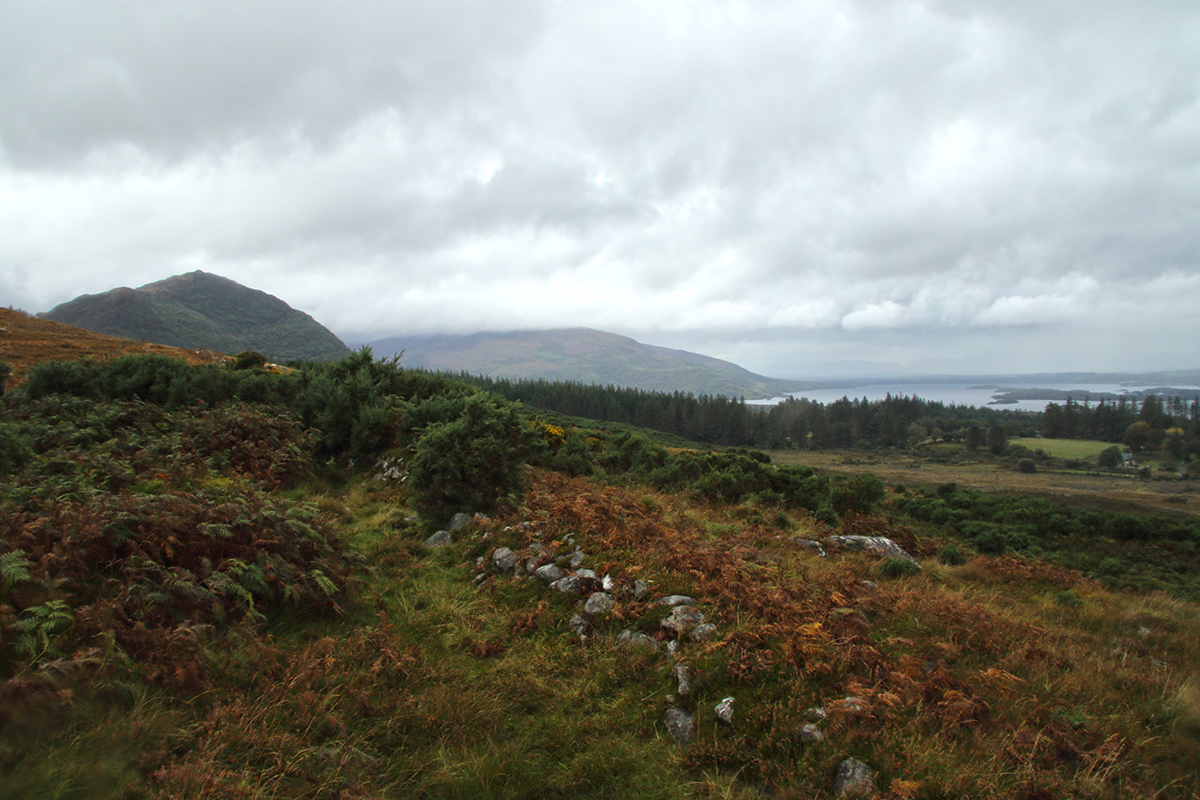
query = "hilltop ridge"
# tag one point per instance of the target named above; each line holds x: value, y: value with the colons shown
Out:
x: 202, y: 310
x: 587, y: 356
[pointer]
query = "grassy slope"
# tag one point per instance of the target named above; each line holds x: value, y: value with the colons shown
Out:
x: 26, y: 341
x: 998, y: 678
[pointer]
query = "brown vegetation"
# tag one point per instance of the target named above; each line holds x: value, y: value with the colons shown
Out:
x: 26, y: 341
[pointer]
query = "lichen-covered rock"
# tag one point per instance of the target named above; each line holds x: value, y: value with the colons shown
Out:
x: 854, y: 779
x: 503, y: 561
x: 548, y: 573
x: 461, y: 520
x: 568, y: 584
x: 809, y: 544
x: 579, y: 626
x: 674, y: 600
x: 683, y: 619
x: 439, y: 539
x: 600, y: 604
x: 640, y: 589
x: 641, y: 640
x: 703, y: 632
x: 877, y: 545
x: 681, y: 675
x: 680, y: 725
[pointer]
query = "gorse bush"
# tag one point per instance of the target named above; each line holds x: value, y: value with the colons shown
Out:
x: 474, y: 462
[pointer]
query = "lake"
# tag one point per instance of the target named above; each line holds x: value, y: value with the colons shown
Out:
x: 968, y: 394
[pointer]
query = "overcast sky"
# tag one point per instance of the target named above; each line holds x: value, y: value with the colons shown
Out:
x: 962, y: 186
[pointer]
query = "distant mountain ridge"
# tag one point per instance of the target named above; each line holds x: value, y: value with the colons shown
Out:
x: 585, y: 356
x: 199, y: 310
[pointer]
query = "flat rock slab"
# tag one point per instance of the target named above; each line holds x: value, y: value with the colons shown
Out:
x: 878, y: 545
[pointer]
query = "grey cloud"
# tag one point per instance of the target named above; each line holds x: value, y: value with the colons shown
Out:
x: 840, y: 180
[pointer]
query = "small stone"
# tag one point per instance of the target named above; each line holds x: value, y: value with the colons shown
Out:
x: 640, y: 640
x: 854, y: 779
x: 681, y: 675
x: 703, y: 632
x: 548, y: 572
x: 579, y: 626
x: 576, y: 560
x: 816, y: 713
x: 599, y: 604
x: 674, y: 600
x: 640, y: 589
x: 683, y: 619
x: 503, y: 560
x: 460, y: 520
x: 680, y: 725
x: 586, y: 575
x: 439, y: 539
x: 809, y: 732
x: 809, y: 544
x: 568, y: 584
x: 536, y: 548
x: 851, y: 704
x: 724, y: 711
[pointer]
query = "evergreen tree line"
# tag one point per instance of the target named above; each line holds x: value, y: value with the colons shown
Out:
x: 791, y: 424
x: 1109, y: 420
x: 1168, y: 425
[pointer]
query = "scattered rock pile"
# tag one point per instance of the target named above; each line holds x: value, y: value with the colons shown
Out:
x: 559, y: 565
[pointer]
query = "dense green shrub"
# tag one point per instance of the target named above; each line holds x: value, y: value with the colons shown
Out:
x: 248, y: 359
x: 472, y: 463
x: 898, y: 568
x: 859, y: 493
x: 828, y: 516
x: 951, y: 556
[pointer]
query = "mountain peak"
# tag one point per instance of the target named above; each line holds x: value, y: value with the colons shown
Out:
x: 202, y: 310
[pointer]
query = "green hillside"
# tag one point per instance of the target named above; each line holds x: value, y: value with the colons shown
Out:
x: 241, y: 583
x: 199, y: 310
x: 585, y: 356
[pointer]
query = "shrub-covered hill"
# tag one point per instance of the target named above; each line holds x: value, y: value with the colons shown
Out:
x: 212, y: 586
x: 200, y: 310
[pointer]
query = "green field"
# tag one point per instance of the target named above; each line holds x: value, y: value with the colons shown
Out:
x: 1065, y: 448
